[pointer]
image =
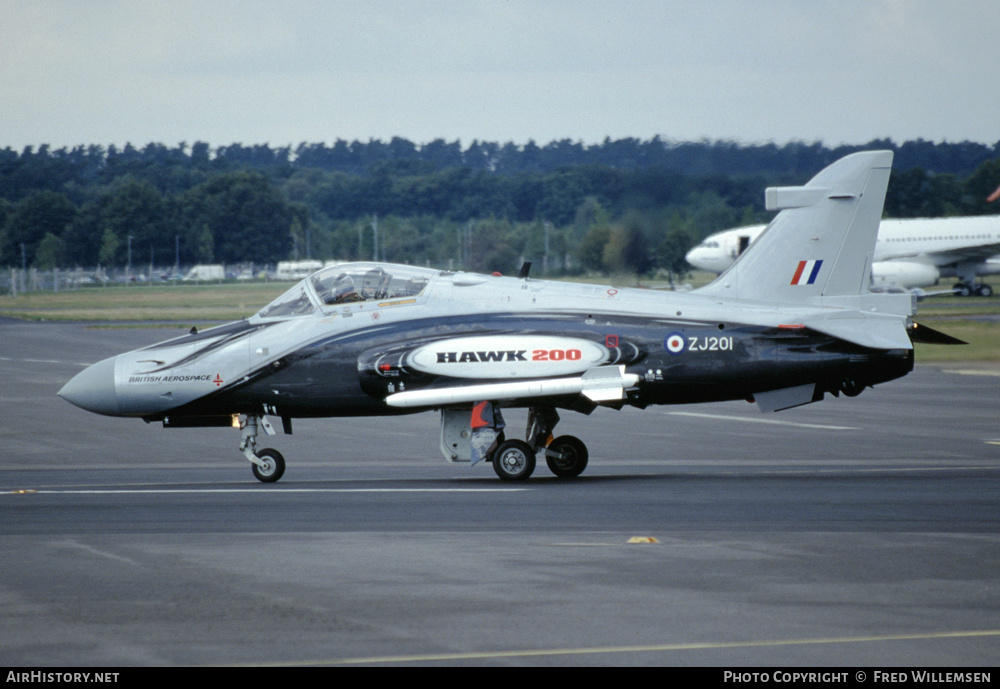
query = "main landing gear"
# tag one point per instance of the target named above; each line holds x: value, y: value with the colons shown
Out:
x: 268, y: 464
x: 479, y: 436
x: 973, y: 289
x: 566, y: 456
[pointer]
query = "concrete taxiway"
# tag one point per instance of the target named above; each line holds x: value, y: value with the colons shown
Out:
x: 854, y: 532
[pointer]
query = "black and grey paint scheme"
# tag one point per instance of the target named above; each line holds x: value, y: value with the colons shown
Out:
x: 381, y: 339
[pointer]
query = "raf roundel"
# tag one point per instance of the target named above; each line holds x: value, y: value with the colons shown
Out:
x: 674, y: 343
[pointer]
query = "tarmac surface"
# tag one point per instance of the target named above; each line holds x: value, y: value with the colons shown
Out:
x: 853, y: 533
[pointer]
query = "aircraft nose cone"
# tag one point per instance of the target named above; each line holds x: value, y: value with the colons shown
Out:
x: 93, y: 389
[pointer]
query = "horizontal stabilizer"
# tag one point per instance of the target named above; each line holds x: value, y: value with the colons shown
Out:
x: 925, y: 335
x: 600, y: 384
x: 783, y: 198
x: 863, y: 329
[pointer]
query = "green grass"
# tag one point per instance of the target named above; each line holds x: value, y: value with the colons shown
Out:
x: 983, y: 339
x: 144, y: 302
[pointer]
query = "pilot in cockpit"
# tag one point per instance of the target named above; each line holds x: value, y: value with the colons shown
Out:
x: 343, y: 290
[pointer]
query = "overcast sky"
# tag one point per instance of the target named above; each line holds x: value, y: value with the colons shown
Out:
x: 170, y: 71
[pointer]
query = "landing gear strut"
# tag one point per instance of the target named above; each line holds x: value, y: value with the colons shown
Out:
x: 268, y: 465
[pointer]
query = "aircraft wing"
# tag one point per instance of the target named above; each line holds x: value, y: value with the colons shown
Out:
x: 979, y: 252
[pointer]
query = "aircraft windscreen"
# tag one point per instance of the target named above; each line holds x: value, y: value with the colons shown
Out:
x: 350, y: 283
x: 294, y: 302
x: 346, y: 284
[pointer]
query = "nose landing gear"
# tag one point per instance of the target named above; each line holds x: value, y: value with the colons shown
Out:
x: 271, y: 467
x: 268, y: 465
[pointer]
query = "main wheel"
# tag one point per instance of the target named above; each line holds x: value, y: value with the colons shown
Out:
x: 273, y: 468
x: 984, y: 291
x: 572, y: 456
x: 851, y: 387
x: 514, y: 460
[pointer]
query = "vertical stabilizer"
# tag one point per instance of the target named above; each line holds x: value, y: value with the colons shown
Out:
x: 821, y: 243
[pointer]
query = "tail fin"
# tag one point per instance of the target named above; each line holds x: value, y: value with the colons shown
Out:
x: 822, y: 243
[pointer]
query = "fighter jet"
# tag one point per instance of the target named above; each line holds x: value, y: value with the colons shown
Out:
x: 790, y: 321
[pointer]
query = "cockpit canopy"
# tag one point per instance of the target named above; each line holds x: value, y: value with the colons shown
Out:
x: 348, y: 283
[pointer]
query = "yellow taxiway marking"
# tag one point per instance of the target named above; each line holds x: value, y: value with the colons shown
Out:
x: 648, y: 648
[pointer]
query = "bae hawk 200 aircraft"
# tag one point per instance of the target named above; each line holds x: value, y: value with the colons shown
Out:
x: 789, y: 322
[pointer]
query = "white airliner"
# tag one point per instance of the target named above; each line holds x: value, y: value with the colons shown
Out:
x: 910, y: 253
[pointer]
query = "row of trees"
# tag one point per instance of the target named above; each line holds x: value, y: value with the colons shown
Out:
x: 184, y: 166
x: 621, y: 206
x: 235, y: 217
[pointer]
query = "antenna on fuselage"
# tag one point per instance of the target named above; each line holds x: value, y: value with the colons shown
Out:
x: 525, y: 267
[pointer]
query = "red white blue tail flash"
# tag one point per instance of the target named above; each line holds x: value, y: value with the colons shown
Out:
x: 806, y: 273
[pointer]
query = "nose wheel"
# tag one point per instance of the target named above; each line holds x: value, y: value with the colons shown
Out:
x: 268, y: 465
x: 271, y: 467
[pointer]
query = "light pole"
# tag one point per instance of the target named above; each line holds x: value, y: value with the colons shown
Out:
x: 545, y: 261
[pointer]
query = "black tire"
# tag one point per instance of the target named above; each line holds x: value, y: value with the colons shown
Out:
x: 572, y: 459
x: 514, y: 460
x: 985, y: 291
x: 852, y: 387
x: 963, y: 290
x: 273, y: 469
